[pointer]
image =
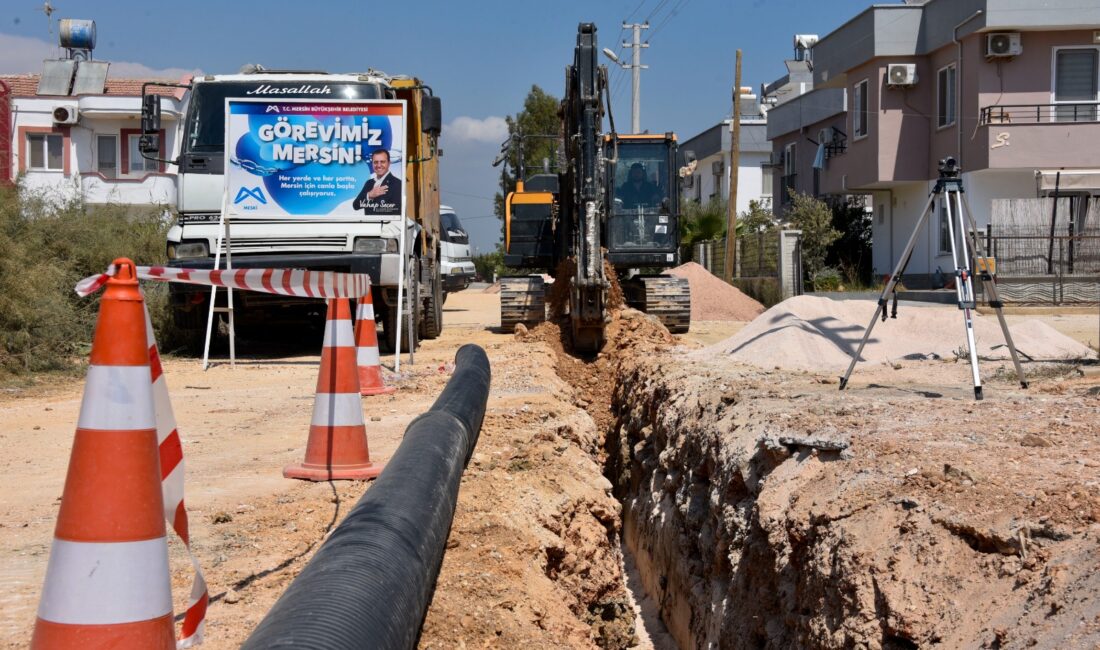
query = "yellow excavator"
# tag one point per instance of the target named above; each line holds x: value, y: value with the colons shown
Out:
x: 615, y: 197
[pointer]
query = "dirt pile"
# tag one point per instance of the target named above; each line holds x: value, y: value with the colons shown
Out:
x: 713, y: 299
x: 813, y: 333
x: 767, y: 510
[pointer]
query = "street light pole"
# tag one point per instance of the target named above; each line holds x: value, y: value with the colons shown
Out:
x: 636, y: 68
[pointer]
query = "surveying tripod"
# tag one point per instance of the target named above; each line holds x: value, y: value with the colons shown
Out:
x: 949, y: 187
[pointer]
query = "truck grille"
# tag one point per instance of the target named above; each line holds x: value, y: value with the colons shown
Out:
x: 269, y: 244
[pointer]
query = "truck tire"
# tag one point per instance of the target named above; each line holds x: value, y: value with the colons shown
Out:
x: 431, y: 321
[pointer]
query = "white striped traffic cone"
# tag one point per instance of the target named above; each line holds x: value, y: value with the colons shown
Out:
x: 107, y: 582
x: 366, y: 344
x: 337, y: 445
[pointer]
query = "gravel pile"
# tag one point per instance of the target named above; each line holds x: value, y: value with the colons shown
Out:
x: 713, y: 299
x: 812, y: 333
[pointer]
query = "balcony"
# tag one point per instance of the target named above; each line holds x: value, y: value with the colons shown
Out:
x: 1071, y: 112
x: 1021, y: 136
x: 151, y: 189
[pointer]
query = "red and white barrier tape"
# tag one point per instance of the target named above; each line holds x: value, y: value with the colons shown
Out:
x: 171, y: 477
x: 284, y: 282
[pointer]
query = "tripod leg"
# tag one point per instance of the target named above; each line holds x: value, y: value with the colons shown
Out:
x: 990, y: 286
x: 964, y: 284
x: 890, y: 284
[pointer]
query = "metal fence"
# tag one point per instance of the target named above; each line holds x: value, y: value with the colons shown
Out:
x: 757, y: 256
x: 1034, y: 266
x: 771, y: 257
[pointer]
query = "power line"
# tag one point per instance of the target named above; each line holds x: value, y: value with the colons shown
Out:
x: 673, y: 12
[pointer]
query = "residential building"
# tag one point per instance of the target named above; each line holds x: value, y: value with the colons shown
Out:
x: 711, y: 148
x: 85, y: 145
x: 1005, y: 87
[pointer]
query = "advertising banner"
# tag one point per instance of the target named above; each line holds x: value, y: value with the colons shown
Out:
x: 324, y: 159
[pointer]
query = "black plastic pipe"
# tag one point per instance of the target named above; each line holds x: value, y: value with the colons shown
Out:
x: 370, y: 584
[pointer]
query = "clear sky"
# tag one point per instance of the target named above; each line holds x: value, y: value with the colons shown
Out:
x: 480, y: 57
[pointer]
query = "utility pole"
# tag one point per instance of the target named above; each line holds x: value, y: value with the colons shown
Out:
x: 735, y: 163
x: 636, y: 68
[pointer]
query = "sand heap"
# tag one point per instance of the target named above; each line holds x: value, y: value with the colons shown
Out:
x: 812, y: 333
x: 713, y: 299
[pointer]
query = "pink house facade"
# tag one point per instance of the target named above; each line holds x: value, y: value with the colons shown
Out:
x: 1010, y: 92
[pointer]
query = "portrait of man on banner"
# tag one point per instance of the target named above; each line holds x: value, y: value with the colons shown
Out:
x: 381, y: 194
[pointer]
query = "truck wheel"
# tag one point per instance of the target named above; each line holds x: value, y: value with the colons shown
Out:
x: 431, y: 323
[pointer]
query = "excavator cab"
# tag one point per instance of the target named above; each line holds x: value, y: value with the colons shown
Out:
x: 529, y: 223
x: 644, y: 198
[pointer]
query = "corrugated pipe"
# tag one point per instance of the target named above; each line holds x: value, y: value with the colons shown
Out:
x: 370, y: 584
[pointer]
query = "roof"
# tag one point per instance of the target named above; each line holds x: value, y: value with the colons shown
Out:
x: 26, y: 85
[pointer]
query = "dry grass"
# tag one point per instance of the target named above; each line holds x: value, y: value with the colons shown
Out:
x: 45, y: 248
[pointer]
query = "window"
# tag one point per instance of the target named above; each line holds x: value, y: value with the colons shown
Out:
x: 1075, y: 80
x: 766, y: 180
x: 945, y: 96
x: 137, y: 163
x: 790, y: 162
x: 859, y: 115
x: 107, y: 155
x: 45, y: 151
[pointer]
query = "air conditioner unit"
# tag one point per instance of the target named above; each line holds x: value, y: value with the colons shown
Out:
x: 1003, y: 44
x: 901, y: 74
x: 65, y: 114
x: 717, y: 167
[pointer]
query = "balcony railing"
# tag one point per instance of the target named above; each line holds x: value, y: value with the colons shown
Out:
x: 1065, y: 112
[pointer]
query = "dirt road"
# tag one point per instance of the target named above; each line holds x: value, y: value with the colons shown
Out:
x: 532, y: 485
x: 535, y: 558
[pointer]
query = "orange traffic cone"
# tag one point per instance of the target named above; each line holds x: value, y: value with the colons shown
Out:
x: 107, y: 582
x: 366, y: 355
x: 337, y: 446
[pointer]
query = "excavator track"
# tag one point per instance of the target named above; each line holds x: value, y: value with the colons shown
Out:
x: 666, y: 297
x: 522, y: 300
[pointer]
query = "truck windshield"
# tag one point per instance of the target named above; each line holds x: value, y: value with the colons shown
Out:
x: 453, y: 231
x: 206, y: 113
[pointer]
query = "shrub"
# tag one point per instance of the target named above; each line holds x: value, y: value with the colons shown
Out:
x: 45, y: 248
x: 827, y: 279
x: 815, y: 220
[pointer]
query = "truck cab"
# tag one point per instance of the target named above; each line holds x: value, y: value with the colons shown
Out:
x: 358, y: 243
x: 456, y: 263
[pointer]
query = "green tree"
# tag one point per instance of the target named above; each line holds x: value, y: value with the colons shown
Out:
x: 851, y: 253
x: 702, y: 222
x: 755, y: 217
x: 815, y: 220
x: 539, y: 117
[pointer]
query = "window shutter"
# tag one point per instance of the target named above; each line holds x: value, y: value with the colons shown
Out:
x: 1075, y: 76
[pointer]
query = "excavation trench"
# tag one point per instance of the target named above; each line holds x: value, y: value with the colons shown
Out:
x: 765, y: 509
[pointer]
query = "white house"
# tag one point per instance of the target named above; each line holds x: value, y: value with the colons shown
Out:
x: 86, y: 145
x: 711, y: 148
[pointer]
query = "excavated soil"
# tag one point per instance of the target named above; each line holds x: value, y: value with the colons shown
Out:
x: 767, y: 509
x: 714, y: 299
x: 761, y: 508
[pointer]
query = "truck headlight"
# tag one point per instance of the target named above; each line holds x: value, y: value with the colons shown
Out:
x: 188, y: 250
x: 374, y: 245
